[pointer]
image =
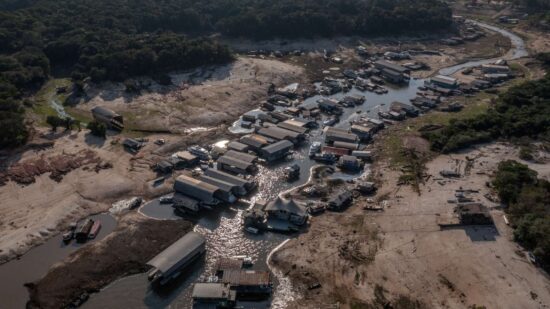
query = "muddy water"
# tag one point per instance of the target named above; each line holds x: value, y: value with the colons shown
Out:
x: 35, y: 264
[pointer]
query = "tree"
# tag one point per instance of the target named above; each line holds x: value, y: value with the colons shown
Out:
x: 97, y: 129
x: 54, y: 122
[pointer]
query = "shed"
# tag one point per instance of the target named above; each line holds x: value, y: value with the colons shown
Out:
x: 444, y: 82
x: 229, y: 190
x: 279, y: 134
x: 277, y: 150
x: 200, y: 190
x: 188, y: 158
x: 248, y: 281
x: 108, y: 117
x: 383, y: 64
x: 292, y: 126
x: 255, y: 141
x: 350, y: 146
x: 334, y: 134
x: 287, y: 209
x: 242, y: 156
x: 244, y: 185
x: 335, y: 151
x: 176, y: 256
x: 214, y: 293
x: 237, y: 146
x: 234, y: 165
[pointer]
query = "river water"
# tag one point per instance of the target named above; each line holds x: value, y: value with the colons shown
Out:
x: 222, y: 227
x: 34, y: 264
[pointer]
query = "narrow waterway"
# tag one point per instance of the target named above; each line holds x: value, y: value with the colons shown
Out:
x: 34, y: 264
x: 517, y: 51
x: 221, y: 227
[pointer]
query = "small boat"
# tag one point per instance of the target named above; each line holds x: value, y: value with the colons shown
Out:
x: 314, y: 149
x: 68, y: 236
x: 330, y: 121
x: 166, y: 199
x: 247, y: 261
x: 95, y: 229
x: 292, y: 172
x: 252, y: 230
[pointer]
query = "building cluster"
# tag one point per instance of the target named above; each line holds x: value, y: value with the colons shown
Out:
x: 232, y: 280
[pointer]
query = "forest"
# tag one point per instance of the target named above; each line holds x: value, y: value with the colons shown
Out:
x: 521, y: 111
x: 527, y: 203
x: 116, y: 39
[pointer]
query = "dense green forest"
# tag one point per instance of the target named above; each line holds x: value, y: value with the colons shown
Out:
x: 521, y: 111
x: 118, y: 39
x: 528, y: 204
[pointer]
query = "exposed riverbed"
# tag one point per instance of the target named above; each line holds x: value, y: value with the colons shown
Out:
x: 222, y: 227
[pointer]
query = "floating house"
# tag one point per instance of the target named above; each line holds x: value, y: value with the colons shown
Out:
x: 279, y: 134
x: 197, y: 189
x: 168, y: 264
x: 443, y: 81
x: 276, y: 151
x: 286, y: 209
x: 108, y: 117
x: 255, y: 142
x: 340, y: 135
x: 219, y: 295
x: 234, y: 165
x: 244, y: 186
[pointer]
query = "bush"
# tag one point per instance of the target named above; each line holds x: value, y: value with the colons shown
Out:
x: 97, y: 129
x: 527, y: 199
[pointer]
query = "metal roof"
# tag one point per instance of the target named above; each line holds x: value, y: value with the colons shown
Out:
x: 246, y: 277
x: 278, y: 133
x: 222, y: 185
x: 177, y: 251
x: 105, y: 112
x: 287, y: 205
x: 236, y: 180
x: 241, y: 156
x: 254, y: 140
x: 214, y: 291
x: 391, y: 66
x: 195, y: 188
x: 232, y: 161
x: 278, y: 146
x: 237, y: 146
x: 292, y: 126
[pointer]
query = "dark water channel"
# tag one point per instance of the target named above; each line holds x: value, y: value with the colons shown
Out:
x: 34, y: 264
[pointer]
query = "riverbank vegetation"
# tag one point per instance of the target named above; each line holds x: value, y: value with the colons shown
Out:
x: 521, y: 111
x: 527, y: 199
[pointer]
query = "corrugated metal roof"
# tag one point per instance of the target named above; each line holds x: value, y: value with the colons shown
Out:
x: 391, y: 66
x: 234, y: 162
x: 241, y: 156
x: 222, y: 185
x: 246, y: 277
x: 195, y: 188
x: 278, y: 133
x: 105, y: 112
x: 278, y: 146
x: 236, y: 180
x: 177, y: 251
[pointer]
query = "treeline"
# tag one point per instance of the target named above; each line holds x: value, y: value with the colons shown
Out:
x: 522, y: 111
x: 118, y: 39
x: 528, y: 205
